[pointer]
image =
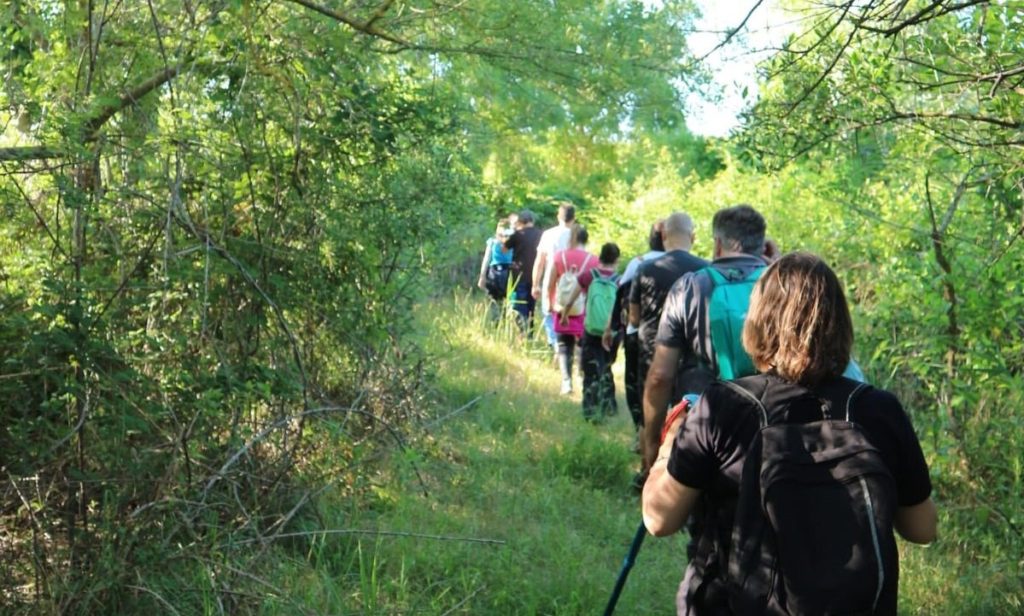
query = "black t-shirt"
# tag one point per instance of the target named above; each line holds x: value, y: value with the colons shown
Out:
x: 524, y: 252
x: 711, y: 446
x: 653, y: 281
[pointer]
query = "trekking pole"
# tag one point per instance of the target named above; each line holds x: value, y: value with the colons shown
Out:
x: 641, y: 532
x: 627, y: 564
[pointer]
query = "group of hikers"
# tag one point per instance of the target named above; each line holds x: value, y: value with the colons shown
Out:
x: 757, y: 430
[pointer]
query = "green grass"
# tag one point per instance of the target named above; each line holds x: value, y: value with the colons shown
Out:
x: 528, y: 511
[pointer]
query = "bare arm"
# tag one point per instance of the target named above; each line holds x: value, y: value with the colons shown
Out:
x: 483, y: 267
x: 657, y: 391
x: 666, y: 502
x: 634, y: 314
x: 917, y: 523
x: 550, y: 290
x: 539, y: 266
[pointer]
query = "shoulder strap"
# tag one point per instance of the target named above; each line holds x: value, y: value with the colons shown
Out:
x: 746, y: 394
x: 716, y: 276
x: 849, y: 401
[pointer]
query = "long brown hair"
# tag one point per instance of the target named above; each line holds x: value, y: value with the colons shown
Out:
x: 799, y: 325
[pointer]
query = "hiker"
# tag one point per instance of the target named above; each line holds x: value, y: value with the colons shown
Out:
x: 630, y: 337
x: 829, y: 544
x: 551, y: 241
x: 599, y: 285
x: 523, y: 244
x: 654, y: 279
x: 568, y: 316
x: 683, y: 358
x: 495, y: 267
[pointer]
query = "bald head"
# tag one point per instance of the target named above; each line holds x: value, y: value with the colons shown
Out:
x: 677, y: 231
x: 678, y: 223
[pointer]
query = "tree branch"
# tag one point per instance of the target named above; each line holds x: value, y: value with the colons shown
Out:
x: 98, y: 118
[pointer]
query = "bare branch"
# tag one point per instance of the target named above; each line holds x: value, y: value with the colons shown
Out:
x: 732, y: 32
x: 377, y: 533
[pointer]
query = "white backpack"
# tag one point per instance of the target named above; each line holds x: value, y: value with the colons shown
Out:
x: 567, y: 283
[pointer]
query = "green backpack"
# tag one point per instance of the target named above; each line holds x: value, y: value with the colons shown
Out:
x: 727, y: 310
x: 600, y: 302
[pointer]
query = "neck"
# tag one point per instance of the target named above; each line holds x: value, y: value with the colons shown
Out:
x: 676, y: 243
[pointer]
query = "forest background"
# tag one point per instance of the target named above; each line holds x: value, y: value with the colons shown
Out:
x: 221, y: 217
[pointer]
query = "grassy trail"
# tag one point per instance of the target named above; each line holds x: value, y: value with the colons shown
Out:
x: 534, y: 503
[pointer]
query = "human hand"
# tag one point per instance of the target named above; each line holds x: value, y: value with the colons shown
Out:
x: 535, y: 292
x: 563, y: 318
x: 606, y: 340
x: 482, y: 283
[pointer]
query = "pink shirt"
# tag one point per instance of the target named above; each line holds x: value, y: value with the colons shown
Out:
x: 565, y: 260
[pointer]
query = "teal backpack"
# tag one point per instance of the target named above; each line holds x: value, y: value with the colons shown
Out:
x: 600, y: 302
x: 727, y: 310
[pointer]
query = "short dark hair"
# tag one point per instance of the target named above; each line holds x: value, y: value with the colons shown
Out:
x: 609, y: 253
x: 525, y: 216
x: 740, y: 228
x: 654, y: 240
x: 568, y: 211
x: 578, y: 236
x: 798, y: 324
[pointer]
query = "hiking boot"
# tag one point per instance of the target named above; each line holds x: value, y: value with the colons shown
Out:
x: 566, y: 387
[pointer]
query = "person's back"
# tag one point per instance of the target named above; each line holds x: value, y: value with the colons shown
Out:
x: 655, y: 278
x: 684, y: 360
x: 523, y: 243
x: 599, y: 285
x: 567, y: 325
x: 651, y: 286
x: 708, y: 470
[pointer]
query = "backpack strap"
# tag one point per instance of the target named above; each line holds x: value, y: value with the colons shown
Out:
x: 749, y: 396
x: 716, y: 276
x: 853, y: 394
x: 586, y: 260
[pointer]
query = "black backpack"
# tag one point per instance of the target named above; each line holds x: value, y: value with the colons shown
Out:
x: 813, y: 526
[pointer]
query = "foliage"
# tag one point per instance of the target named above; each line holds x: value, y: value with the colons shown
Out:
x: 218, y: 218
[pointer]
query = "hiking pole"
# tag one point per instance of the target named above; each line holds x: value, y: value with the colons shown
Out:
x: 641, y: 532
x: 627, y: 564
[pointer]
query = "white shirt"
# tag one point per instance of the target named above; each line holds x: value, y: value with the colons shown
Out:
x: 551, y: 241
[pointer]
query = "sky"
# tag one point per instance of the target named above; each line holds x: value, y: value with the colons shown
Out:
x: 732, y: 66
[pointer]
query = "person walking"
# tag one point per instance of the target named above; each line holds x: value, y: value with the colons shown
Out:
x: 621, y: 326
x: 523, y: 244
x: 568, y: 317
x: 825, y: 546
x: 654, y: 279
x: 682, y: 358
x: 496, y: 268
x: 598, y: 285
x: 551, y: 241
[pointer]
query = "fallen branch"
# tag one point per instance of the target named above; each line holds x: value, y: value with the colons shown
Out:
x: 377, y: 533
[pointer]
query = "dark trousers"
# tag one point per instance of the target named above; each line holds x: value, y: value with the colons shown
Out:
x: 566, y: 349
x: 523, y: 303
x: 634, y: 387
x: 598, y: 384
